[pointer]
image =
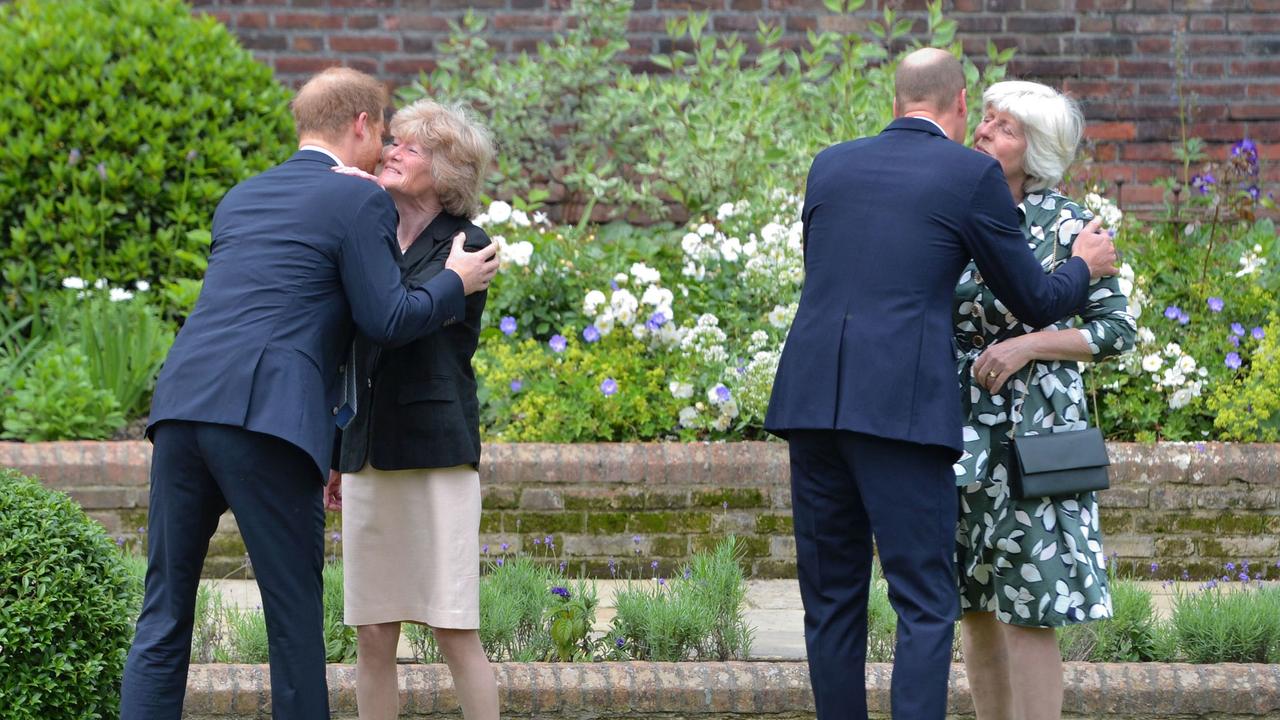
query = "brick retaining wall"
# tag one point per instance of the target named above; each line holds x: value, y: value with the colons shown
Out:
x: 1185, y: 506
x: 779, y: 691
x: 1121, y: 58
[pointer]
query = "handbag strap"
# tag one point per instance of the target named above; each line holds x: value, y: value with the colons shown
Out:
x: 1031, y: 366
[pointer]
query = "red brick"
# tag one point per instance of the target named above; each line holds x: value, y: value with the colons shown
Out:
x: 746, y: 5
x: 306, y: 43
x: 1260, y: 23
x: 966, y: 6
x: 409, y: 66
x: 1207, y: 5
x: 1095, y: 24
x: 1266, y: 69
x: 255, y: 20
x: 363, y: 43
x: 842, y: 24
x: 801, y: 23
x: 1208, y: 23
x: 1139, y: 24
x: 429, y: 23
x: 1111, y: 131
x: 1154, y: 45
x: 1152, y: 5
x: 1040, y: 23
x: 733, y: 23
x: 1099, y: 88
x: 1241, y: 111
x: 362, y: 22
x: 1259, y: 89
x: 306, y: 20
x: 524, y: 21
x: 304, y: 64
x: 1096, y: 5
x: 1044, y: 5
x: 1146, y: 68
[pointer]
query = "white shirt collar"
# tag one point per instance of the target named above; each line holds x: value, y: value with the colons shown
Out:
x: 930, y: 121
x: 317, y: 148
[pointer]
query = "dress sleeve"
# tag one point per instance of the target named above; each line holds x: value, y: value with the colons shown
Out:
x: 1106, y: 324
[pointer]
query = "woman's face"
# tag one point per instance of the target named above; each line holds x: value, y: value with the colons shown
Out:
x: 406, y: 168
x: 1000, y: 135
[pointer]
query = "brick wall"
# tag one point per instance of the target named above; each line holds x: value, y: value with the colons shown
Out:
x: 1119, y: 57
x: 1185, y: 507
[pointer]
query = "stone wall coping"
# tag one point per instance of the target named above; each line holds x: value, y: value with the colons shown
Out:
x: 732, y: 464
x: 766, y: 689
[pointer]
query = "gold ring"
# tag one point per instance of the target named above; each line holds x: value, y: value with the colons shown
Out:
x: 991, y: 375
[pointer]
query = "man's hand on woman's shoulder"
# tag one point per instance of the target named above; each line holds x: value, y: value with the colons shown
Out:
x: 1095, y: 247
x: 475, y: 268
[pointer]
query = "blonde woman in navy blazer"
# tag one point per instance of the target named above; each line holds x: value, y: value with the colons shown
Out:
x: 410, y: 492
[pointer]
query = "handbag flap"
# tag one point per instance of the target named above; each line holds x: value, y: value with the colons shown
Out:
x: 1061, y: 451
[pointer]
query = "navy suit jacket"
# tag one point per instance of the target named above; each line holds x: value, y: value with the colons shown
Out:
x: 889, y: 223
x: 298, y: 253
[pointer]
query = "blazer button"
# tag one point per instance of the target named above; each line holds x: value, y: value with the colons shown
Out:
x: 335, y: 409
x: 342, y: 368
x: 977, y: 341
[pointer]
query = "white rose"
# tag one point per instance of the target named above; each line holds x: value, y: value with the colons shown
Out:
x: 688, y: 417
x: 1151, y: 363
x: 118, y: 294
x: 499, y: 211
x: 519, y: 218
x: 74, y: 283
x: 655, y: 296
x: 1145, y: 336
x: 1186, y: 364
x: 604, y: 322
x: 142, y: 286
x: 724, y: 212
x: 706, y: 230
x: 644, y: 274
x: 680, y: 390
x: 592, y: 302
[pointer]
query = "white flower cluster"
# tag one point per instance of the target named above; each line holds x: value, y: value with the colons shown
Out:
x: 756, y: 382
x: 706, y: 340
x: 650, y: 318
x: 115, y: 294
x: 1105, y: 209
x: 1133, y: 288
x: 717, y: 413
x: 1251, y: 261
x: 779, y: 255
x: 500, y: 213
x: 517, y: 253
x: 1172, y: 371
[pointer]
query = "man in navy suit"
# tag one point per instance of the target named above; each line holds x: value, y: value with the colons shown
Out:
x: 243, y: 413
x: 867, y: 392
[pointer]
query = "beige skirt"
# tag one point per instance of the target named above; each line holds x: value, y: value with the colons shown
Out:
x: 411, y: 546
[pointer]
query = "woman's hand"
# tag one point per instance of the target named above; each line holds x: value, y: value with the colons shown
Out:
x: 1001, y: 361
x: 354, y: 172
x: 333, y: 492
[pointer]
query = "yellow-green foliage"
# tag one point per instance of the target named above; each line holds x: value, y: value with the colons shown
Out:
x: 563, y: 400
x: 1249, y: 408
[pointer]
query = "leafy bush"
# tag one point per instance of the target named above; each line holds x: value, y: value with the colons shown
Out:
x: 125, y: 122
x: 1216, y: 625
x: 65, y: 596
x: 56, y: 399
x: 515, y: 596
x: 698, y: 615
x: 574, y: 117
x: 339, y: 639
x: 1129, y: 636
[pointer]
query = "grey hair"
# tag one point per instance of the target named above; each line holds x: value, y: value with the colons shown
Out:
x: 461, y: 150
x: 1052, y: 123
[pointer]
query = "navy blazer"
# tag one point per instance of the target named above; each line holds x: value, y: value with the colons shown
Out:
x: 416, y: 404
x: 298, y: 252
x: 889, y: 223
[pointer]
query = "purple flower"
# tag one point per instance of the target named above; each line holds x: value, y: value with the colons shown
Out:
x: 562, y: 592
x: 507, y: 325
x: 1258, y: 333
x: 537, y: 541
x: 192, y: 155
x: 336, y: 537
x: 591, y: 334
x: 73, y: 157
x: 656, y: 321
x: 550, y: 541
x: 102, y: 171
x: 558, y: 343
x: 722, y: 393
x: 1203, y: 183
x: 1234, y: 340
x: 1215, y: 304
x: 119, y: 541
x: 662, y: 581
x: 563, y: 565
x: 1183, y: 318
x: 636, y: 539
x: 1243, y: 577
x: 1226, y: 579
x: 1186, y: 575
x: 517, y: 385
x: 502, y: 561
x: 484, y: 549
x: 724, y: 504
x: 613, y: 568
x: 613, y: 284
x: 654, y: 565
x: 1172, y: 312
x: 504, y: 547
x: 1237, y: 329
x: 609, y: 386
x: 1154, y: 568
x: 1233, y: 360
x: 687, y: 573
x: 1247, y: 148
x: 1253, y: 192
x: 1199, y: 447
x: 619, y: 642
x: 1229, y: 567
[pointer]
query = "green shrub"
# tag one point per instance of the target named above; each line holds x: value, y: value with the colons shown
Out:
x: 1248, y: 408
x: 124, y: 341
x: 1130, y: 635
x: 1215, y: 625
x: 125, y: 121
x: 56, y: 399
x: 65, y: 597
x: 247, y: 635
x: 515, y: 596
x: 339, y: 639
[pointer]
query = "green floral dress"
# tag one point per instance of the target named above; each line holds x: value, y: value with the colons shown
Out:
x: 1035, y: 562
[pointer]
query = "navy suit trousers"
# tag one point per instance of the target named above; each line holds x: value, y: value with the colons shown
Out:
x: 848, y: 488
x: 198, y: 470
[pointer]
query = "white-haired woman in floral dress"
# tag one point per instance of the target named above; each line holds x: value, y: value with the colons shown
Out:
x: 1027, y: 566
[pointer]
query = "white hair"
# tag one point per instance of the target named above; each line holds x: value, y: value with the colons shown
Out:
x: 1051, y: 122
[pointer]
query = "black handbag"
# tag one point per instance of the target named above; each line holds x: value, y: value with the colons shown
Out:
x: 1057, y: 464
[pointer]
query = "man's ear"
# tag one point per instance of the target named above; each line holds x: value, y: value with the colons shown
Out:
x: 362, y: 125
x: 895, y: 107
x: 964, y: 105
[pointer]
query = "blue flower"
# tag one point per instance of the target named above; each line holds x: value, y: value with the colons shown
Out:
x: 1258, y: 333
x: 1154, y: 567
x: 507, y: 325
x: 1172, y: 312
x: 1253, y: 192
x: 654, y: 564
x: 73, y: 157
x: 722, y: 393
x: 517, y: 385
x: 1234, y: 340
x: 563, y: 565
x: 502, y: 561
x: 609, y: 386
x: 620, y: 642
x: 505, y: 546
x: 537, y: 541
x: 484, y: 549
x: 1244, y: 577
x: 1215, y: 304
x: 558, y: 343
x: 1183, y: 318
x: 662, y: 581
x: 1229, y: 567
x: 1233, y: 360
x: 562, y: 592
x: 1237, y: 329
x: 656, y: 321
x: 591, y: 334
x: 336, y: 537
x: 550, y: 541
x: 102, y: 171
x: 1247, y: 148
x: 1203, y: 183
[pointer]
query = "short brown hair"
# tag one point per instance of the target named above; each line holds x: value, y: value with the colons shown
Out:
x: 331, y: 100
x: 928, y: 75
x: 461, y: 149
